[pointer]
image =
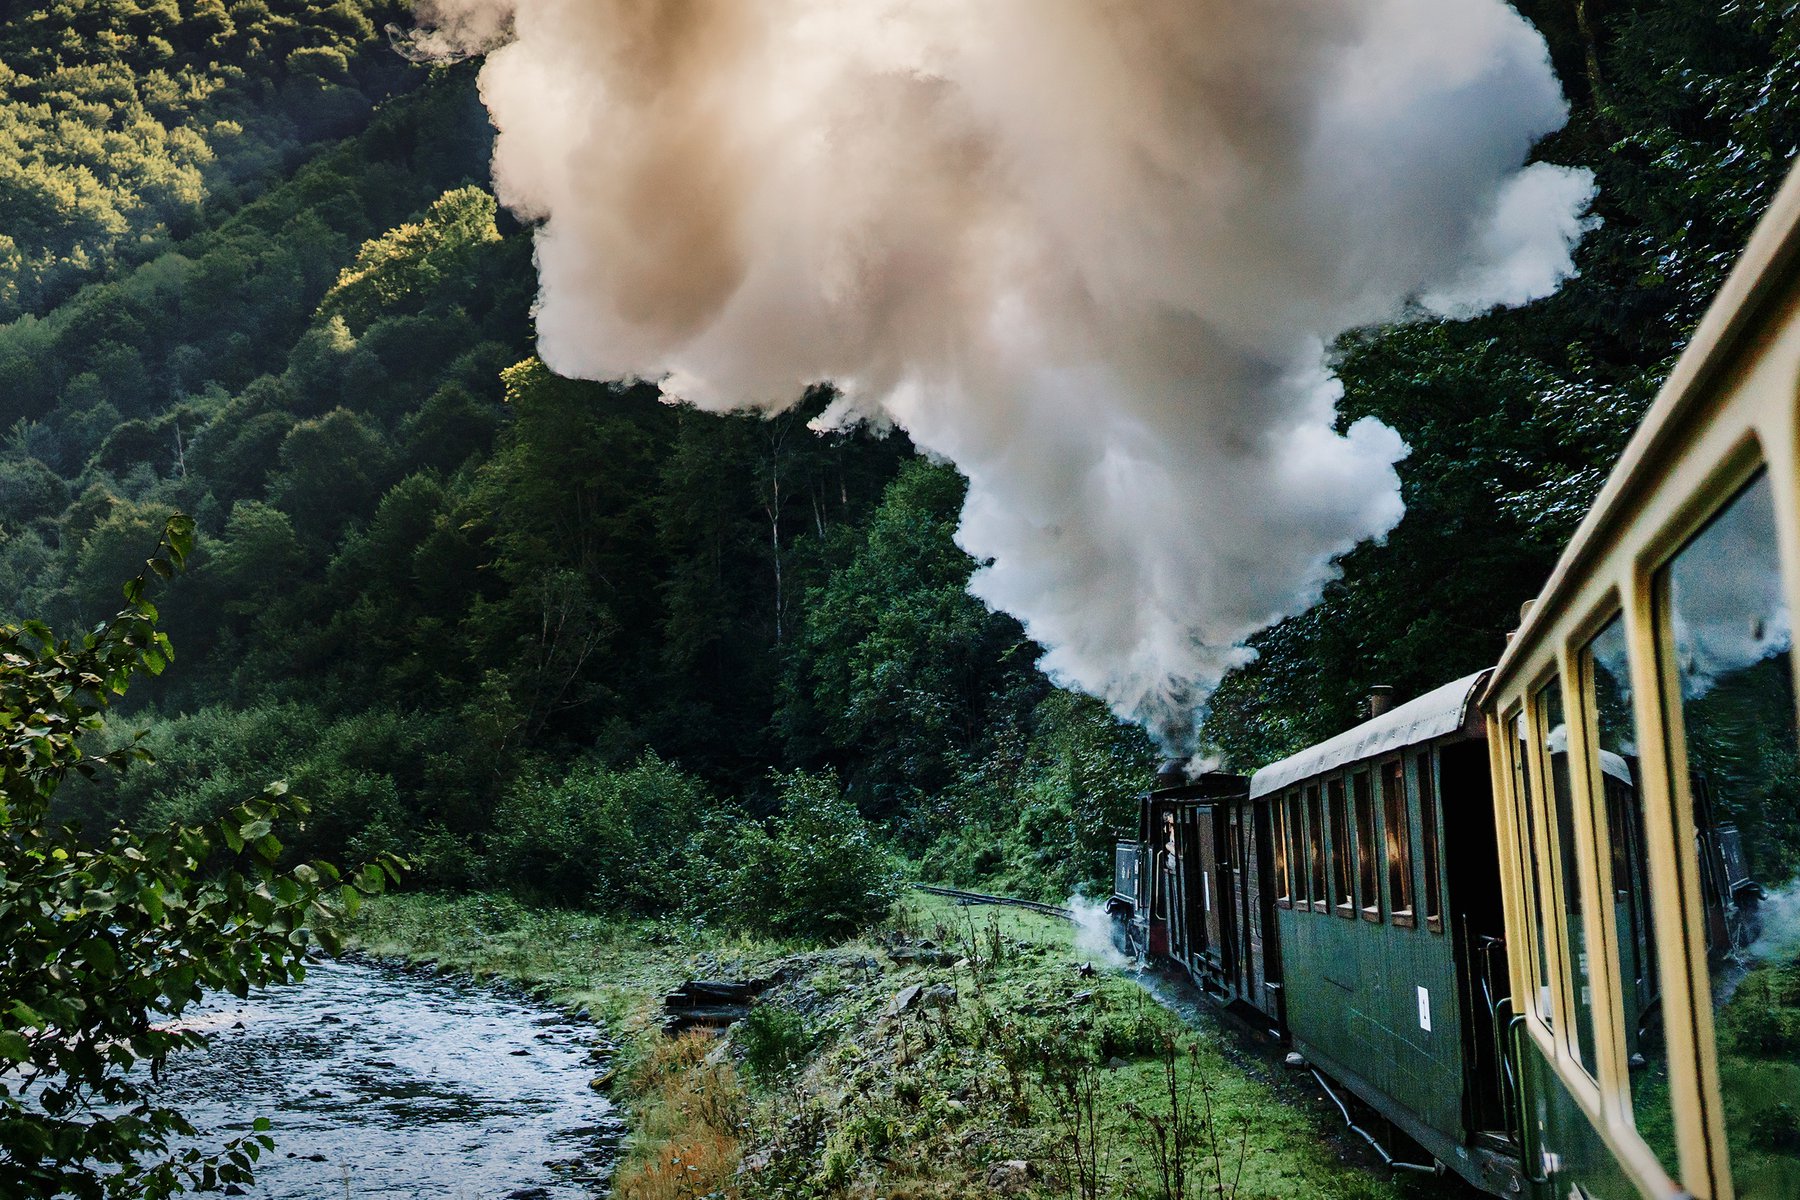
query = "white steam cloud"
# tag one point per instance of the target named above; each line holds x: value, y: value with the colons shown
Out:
x: 1094, y: 931
x: 1090, y: 251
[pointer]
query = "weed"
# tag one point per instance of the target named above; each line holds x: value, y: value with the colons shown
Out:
x: 1069, y: 1081
x: 776, y: 1042
x: 1184, y: 1133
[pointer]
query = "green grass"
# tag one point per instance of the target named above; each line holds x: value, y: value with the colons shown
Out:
x: 844, y: 1100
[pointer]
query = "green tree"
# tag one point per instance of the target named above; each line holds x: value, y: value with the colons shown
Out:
x: 816, y: 870
x: 332, y: 468
x: 110, y: 940
x: 907, y: 675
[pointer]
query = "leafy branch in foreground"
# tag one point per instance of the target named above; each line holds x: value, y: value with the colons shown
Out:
x: 109, y: 941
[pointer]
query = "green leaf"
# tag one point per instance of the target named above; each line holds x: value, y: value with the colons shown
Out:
x: 13, y: 1046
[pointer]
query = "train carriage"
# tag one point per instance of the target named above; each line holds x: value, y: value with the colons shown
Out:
x: 1659, y: 1038
x: 1546, y: 918
x: 1388, y: 907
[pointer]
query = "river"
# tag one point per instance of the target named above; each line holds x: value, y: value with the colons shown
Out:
x: 383, y: 1082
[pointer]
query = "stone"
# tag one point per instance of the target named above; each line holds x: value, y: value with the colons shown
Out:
x: 1295, y: 1059
x: 938, y: 996
x: 1010, y: 1175
x: 903, y: 999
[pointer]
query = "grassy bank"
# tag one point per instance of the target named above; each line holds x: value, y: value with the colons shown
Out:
x: 954, y: 1052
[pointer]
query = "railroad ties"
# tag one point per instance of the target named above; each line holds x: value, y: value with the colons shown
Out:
x: 710, y: 1004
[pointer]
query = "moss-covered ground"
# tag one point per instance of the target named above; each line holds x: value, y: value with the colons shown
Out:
x: 954, y: 1052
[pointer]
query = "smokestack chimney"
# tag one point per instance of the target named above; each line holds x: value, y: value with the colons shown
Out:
x: 1381, y: 700
x: 1172, y: 773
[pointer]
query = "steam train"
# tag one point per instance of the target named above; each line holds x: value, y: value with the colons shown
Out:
x: 1523, y: 916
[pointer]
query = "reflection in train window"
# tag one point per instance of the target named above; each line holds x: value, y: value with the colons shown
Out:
x: 1315, y: 847
x: 1555, y: 743
x: 1399, y: 843
x: 1342, y: 869
x: 1368, y: 870
x: 1723, y: 618
x: 1606, y: 675
x: 1284, y: 884
x: 1528, y: 827
x: 1428, y: 837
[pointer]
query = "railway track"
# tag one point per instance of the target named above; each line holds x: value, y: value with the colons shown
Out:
x: 973, y: 898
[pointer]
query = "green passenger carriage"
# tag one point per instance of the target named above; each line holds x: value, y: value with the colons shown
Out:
x: 1388, y: 901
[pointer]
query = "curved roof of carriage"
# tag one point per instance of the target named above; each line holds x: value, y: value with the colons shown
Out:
x: 1439, y: 712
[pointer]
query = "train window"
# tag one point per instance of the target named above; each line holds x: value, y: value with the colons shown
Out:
x: 1284, y: 893
x: 1368, y: 868
x: 1296, y: 831
x: 1638, y: 1002
x: 1428, y: 839
x: 1315, y: 848
x: 1534, y: 917
x: 1399, y: 843
x: 1566, y: 874
x: 1343, y: 870
x: 1724, y: 627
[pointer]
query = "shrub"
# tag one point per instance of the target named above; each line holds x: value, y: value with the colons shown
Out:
x: 776, y: 1041
x: 815, y: 871
x: 599, y: 836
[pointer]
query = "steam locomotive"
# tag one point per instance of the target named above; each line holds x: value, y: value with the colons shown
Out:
x: 1522, y: 916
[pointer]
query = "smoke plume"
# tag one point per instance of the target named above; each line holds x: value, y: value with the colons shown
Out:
x: 1090, y: 251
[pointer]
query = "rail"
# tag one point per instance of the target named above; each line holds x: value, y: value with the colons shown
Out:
x: 973, y: 898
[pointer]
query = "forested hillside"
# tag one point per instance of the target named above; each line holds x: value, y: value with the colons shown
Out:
x: 522, y: 629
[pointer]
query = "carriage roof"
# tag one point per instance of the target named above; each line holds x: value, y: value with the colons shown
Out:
x: 1438, y: 713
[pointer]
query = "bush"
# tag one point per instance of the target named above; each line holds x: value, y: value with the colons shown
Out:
x: 602, y: 837
x: 815, y: 871
x: 776, y: 1041
x: 380, y: 782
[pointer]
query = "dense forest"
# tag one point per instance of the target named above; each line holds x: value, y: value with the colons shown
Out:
x: 558, y: 635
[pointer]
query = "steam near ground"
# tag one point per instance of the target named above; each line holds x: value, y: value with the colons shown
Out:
x: 1093, y: 931
x: 1090, y: 251
x: 1778, y: 925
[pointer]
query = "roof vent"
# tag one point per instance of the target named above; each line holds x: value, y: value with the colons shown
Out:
x: 1381, y: 700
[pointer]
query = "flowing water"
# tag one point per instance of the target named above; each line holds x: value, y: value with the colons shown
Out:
x: 383, y: 1082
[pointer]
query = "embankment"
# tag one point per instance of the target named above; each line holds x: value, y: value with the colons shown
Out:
x: 953, y: 1052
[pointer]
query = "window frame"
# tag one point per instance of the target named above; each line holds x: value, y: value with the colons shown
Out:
x: 1284, y: 880
x: 1613, y: 1081
x: 1425, y: 780
x: 1704, y: 1150
x: 1366, y: 835
x: 1319, y: 873
x: 1404, y: 916
x: 1342, y: 875
x: 1581, y: 850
